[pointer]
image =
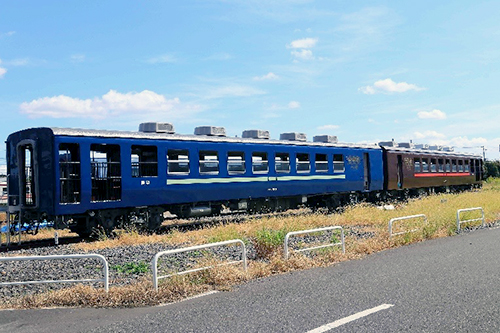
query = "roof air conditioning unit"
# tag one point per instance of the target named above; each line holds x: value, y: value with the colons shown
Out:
x: 210, y: 130
x: 155, y: 127
x: 255, y: 134
x: 293, y: 136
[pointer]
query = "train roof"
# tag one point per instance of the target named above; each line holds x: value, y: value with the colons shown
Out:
x: 198, y: 138
x: 430, y: 152
x: 79, y: 132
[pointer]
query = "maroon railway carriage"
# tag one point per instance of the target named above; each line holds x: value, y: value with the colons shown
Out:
x: 415, y: 169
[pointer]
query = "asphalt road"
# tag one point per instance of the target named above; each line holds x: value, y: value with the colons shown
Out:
x: 443, y: 285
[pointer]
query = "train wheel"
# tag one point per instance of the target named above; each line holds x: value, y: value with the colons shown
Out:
x: 155, y: 219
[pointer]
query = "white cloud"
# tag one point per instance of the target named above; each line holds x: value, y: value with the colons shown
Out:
x: 78, y: 57
x: 428, y: 135
x: 290, y: 105
x: 220, y: 57
x: 234, y: 90
x: 434, y: 114
x: 303, y: 54
x: 388, y: 86
x: 328, y: 127
x: 2, y: 70
x: 268, y: 76
x: 305, y: 43
x: 7, y: 34
x: 19, y: 62
x: 165, y: 58
x: 132, y: 104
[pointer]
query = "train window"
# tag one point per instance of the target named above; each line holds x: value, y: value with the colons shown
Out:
x: 144, y: 161
x: 460, y: 166
x: 105, y: 175
x: 303, y: 163
x: 441, y: 165
x: 466, y: 166
x: 260, y: 163
x: 433, y: 165
x: 416, y: 162
x: 282, y: 162
x: 321, y: 163
x: 448, y: 166
x: 178, y: 161
x: 69, y: 173
x: 425, y: 165
x: 338, y: 163
x: 209, y: 162
x: 235, y: 162
x: 453, y: 165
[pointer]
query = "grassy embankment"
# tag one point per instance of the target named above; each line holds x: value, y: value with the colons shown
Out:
x: 267, y: 236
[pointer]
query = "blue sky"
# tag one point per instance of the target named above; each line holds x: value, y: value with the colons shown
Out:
x: 362, y: 70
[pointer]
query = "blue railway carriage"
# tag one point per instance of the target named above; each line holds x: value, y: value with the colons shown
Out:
x: 84, y: 178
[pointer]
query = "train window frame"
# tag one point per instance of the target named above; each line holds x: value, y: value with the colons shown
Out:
x: 321, y: 160
x: 433, y: 165
x: 425, y: 164
x: 440, y: 165
x: 145, y: 164
x: 236, y: 159
x: 447, y: 165
x: 174, y: 159
x: 338, y: 163
x: 70, y: 173
x: 105, y: 172
x: 466, y: 166
x: 202, y: 161
x: 282, y: 159
x: 302, y: 163
x: 460, y: 166
x: 453, y: 165
x: 417, y: 165
x: 260, y: 159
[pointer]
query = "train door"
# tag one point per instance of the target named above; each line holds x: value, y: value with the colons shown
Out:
x: 366, y: 168
x: 27, y: 174
x: 478, y: 170
x: 400, y: 172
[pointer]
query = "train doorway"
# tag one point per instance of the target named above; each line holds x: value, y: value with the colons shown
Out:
x: 366, y: 167
x: 400, y: 172
x: 27, y: 179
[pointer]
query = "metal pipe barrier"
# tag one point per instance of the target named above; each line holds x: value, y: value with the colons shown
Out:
x: 54, y: 257
x: 391, y: 221
x: 154, y: 262
x: 293, y: 233
x: 471, y: 220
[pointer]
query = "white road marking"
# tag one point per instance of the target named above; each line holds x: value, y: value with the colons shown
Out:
x: 353, y: 317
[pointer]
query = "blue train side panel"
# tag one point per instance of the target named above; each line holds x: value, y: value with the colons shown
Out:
x: 163, y: 189
x: 167, y: 189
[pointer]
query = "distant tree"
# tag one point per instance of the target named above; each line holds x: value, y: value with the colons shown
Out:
x: 492, y: 169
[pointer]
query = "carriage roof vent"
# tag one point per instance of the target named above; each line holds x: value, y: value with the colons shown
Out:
x: 422, y: 146
x: 210, y: 130
x: 255, y: 134
x: 325, y: 138
x: 436, y: 147
x: 448, y: 149
x: 392, y: 143
x: 406, y: 145
x: 293, y: 136
x: 154, y: 127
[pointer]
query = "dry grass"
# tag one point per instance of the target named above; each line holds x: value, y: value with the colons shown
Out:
x: 364, y: 218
